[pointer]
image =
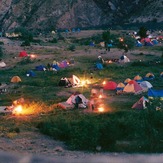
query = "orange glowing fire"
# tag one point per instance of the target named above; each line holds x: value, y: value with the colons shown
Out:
x: 18, y: 109
x: 101, y: 109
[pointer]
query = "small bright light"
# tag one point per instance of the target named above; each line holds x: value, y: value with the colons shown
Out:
x: 100, y: 96
x: 83, y: 82
x: 101, y: 109
x: 104, y: 82
x: 18, y: 109
x: 33, y: 56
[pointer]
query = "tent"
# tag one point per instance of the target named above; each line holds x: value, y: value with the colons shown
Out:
x: 149, y: 76
x: 148, y: 44
x: 141, y: 103
x: 110, y: 85
x: 161, y: 74
x: 127, y: 80
x: 16, y: 79
x: 65, y: 82
x: 145, y: 85
x: 40, y: 68
x: 138, y: 78
x: 2, y: 64
x: 120, y: 86
x: 155, y: 93
x: 63, y: 64
x: 155, y: 42
x: 99, y: 66
x: 30, y: 73
x: 139, y: 44
x: 77, y: 100
x: 56, y: 67
x: 124, y: 59
x: 132, y: 87
x: 23, y: 54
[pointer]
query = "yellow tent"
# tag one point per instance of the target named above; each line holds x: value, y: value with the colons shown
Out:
x: 127, y: 80
x: 16, y: 79
x: 137, y: 77
x: 149, y: 74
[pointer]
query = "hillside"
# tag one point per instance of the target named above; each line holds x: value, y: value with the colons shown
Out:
x: 45, y: 15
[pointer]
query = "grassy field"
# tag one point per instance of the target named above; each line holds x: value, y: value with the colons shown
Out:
x: 121, y: 129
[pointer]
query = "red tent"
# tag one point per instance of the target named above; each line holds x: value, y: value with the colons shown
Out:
x: 23, y: 54
x: 110, y: 85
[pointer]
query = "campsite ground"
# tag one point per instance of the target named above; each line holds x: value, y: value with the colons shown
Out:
x: 29, y: 140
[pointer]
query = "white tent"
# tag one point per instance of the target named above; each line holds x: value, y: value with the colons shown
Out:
x: 2, y: 64
x: 124, y: 59
x: 145, y: 85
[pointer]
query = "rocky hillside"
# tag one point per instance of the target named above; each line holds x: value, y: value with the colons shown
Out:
x: 49, y: 14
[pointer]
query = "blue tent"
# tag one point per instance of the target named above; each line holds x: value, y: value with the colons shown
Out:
x: 139, y: 44
x: 91, y: 44
x: 155, y: 42
x: 40, y: 68
x: 155, y: 93
x: 56, y: 67
x: 31, y: 73
x: 99, y: 66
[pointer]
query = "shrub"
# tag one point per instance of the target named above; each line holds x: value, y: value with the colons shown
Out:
x: 26, y: 43
x: 71, y: 47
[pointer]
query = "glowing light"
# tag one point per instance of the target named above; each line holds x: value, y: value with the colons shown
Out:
x: 33, y: 56
x: 100, y: 96
x: 121, y: 39
x: 101, y: 109
x: 18, y: 109
x: 104, y: 82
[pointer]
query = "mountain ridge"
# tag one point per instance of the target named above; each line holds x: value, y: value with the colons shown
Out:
x: 47, y: 15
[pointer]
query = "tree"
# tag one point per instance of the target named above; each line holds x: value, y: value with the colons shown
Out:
x: 142, y: 32
x: 107, y: 39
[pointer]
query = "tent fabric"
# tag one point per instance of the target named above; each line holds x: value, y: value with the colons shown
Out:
x: 141, y: 103
x: 161, y: 74
x: 127, y: 80
x: 155, y: 42
x: 63, y: 64
x: 40, y: 68
x: 138, y: 78
x: 110, y: 85
x: 76, y: 81
x: 155, y: 93
x: 149, y: 76
x: 2, y: 64
x: 133, y: 87
x: 145, y: 85
x: 120, y: 86
x: 99, y: 66
x: 71, y: 102
x: 30, y: 73
x: 124, y: 59
x: 139, y: 44
x: 55, y: 66
x: 23, y: 54
x: 65, y: 82
x: 16, y: 79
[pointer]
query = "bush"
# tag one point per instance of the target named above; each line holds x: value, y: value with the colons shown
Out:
x: 26, y: 43
x: 54, y: 40
x: 71, y: 47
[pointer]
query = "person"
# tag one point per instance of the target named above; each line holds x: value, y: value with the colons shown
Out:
x: 126, y: 48
x: 100, y: 60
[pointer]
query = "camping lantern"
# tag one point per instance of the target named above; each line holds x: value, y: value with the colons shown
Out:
x: 104, y: 82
